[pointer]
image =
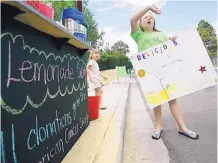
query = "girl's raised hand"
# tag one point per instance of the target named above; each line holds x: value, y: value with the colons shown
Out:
x: 173, y: 38
x: 154, y: 9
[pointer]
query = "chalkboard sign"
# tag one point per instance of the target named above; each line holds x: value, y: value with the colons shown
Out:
x: 43, y: 99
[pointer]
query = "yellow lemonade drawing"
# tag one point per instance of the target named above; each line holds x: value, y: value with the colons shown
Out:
x: 153, y: 98
x: 164, y: 95
x: 171, y: 88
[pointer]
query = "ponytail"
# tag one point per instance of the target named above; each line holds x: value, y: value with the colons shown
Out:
x: 90, y: 55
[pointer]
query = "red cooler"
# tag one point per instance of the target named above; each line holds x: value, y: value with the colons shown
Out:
x: 35, y: 4
x: 47, y: 11
x: 93, y: 107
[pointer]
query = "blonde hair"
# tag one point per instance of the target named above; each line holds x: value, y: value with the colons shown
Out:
x: 92, y: 52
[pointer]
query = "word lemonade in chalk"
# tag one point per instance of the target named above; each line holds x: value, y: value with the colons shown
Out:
x: 170, y: 70
x: 43, y: 101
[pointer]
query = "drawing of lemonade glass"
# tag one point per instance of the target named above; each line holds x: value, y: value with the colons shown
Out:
x: 154, y: 92
x: 157, y: 98
x: 171, y: 78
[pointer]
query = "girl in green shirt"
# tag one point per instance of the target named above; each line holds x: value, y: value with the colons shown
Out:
x: 146, y: 35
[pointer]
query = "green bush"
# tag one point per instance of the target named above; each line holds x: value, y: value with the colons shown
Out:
x: 112, y: 59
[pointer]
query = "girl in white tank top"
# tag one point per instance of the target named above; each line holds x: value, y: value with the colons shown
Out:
x: 93, y: 73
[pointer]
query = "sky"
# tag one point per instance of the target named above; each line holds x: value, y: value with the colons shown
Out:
x: 114, y: 16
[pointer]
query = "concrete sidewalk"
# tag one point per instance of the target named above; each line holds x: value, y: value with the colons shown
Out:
x: 139, y: 147
x: 103, y: 140
x: 122, y: 133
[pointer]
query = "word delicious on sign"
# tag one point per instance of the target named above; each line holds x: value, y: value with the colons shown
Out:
x: 152, y: 52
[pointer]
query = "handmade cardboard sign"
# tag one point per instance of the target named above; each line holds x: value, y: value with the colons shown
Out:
x: 174, y: 69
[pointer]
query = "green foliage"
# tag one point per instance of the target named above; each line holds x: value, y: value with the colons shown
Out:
x: 208, y: 36
x: 93, y: 34
x: 112, y: 57
x: 59, y: 6
x: 121, y: 47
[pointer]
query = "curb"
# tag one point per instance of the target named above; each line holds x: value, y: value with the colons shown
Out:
x: 139, y: 146
x: 144, y: 101
x: 151, y: 116
x: 111, y: 149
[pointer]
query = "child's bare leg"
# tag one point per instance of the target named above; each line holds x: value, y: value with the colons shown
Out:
x: 176, y: 112
x: 158, y: 123
x: 157, y: 115
x: 99, y: 92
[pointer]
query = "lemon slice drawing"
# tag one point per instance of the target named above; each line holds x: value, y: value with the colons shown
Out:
x: 141, y: 73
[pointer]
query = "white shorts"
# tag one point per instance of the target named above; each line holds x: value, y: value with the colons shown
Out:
x: 95, y: 84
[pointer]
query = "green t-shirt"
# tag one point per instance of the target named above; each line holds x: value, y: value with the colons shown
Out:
x: 146, y: 40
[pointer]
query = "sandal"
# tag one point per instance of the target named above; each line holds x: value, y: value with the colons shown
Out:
x: 190, y: 134
x: 102, y: 107
x: 157, y: 134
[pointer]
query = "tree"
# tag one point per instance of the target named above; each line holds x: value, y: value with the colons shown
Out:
x: 208, y: 36
x: 58, y: 7
x: 93, y: 33
x: 114, y: 56
x: 121, y: 47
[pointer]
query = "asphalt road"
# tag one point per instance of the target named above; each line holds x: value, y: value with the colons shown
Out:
x: 200, y: 114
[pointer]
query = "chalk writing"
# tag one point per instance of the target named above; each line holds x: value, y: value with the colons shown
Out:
x: 61, y: 58
x: 81, y: 70
x: 58, y: 148
x: 40, y: 134
x: 9, y: 63
x: 2, y: 148
x: 15, y: 111
x: 13, y: 144
x: 70, y: 133
x: 84, y: 121
x: 44, y: 98
x: 76, y: 104
x: 50, y: 72
x: 54, y: 71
